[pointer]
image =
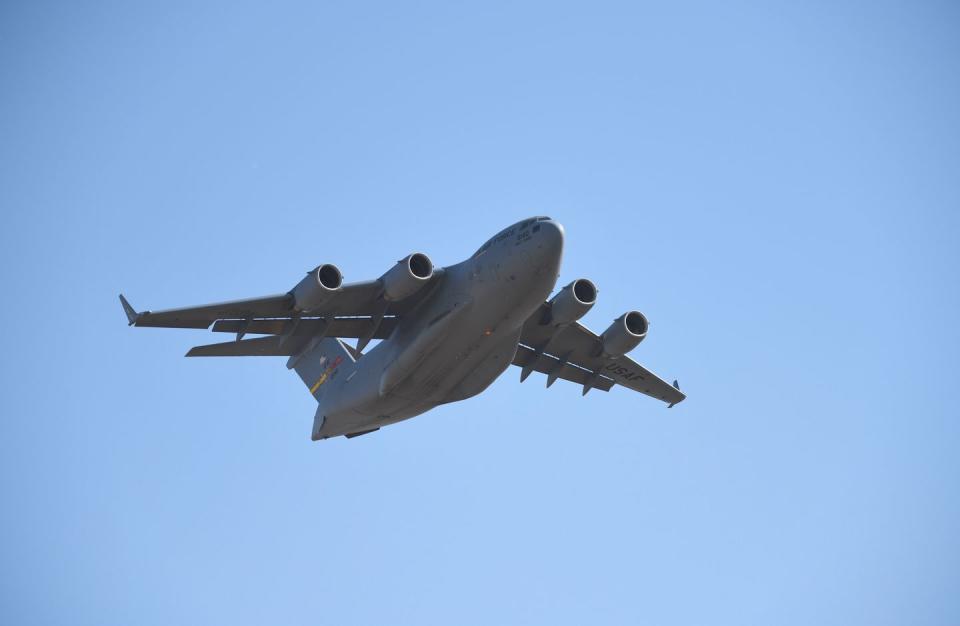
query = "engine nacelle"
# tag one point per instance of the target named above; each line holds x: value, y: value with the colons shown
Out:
x: 317, y: 288
x: 407, y: 277
x: 625, y: 334
x: 572, y: 302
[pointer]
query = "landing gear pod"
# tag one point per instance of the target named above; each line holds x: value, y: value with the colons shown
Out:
x: 625, y: 334
x: 317, y: 288
x: 572, y: 302
x: 407, y: 277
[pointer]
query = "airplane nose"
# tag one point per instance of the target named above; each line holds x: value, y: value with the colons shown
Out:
x: 549, y: 248
x: 552, y: 234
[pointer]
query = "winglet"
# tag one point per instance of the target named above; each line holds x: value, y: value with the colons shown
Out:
x: 677, y: 387
x: 132, y: 315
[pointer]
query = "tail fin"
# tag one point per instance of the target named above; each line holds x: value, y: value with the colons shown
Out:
x: 326, y: 361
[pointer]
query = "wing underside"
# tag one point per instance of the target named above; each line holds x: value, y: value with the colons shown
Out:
x: 575, y: 352
x: 554, y: 368
x: 356, y: 311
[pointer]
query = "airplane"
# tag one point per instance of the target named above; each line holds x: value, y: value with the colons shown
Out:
x: 446, y: 333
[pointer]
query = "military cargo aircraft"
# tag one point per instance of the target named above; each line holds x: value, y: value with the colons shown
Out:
x: 447, y: 333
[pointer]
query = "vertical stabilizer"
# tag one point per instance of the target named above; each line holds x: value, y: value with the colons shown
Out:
x: 327, y: 361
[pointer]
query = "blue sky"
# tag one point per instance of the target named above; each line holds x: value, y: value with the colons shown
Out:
x: 773, y: 184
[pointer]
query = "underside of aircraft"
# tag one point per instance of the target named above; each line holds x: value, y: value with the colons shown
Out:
x: 446, y: 333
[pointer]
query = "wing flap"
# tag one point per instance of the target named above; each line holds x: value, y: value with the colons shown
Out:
x: 552, y: 366
x: 343, y: 327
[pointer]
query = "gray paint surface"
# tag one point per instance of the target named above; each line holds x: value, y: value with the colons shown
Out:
x: 446, y: 341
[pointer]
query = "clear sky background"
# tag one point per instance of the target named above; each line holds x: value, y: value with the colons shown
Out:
x: 774, y: 184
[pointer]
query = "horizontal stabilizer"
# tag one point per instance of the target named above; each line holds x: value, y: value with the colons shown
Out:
x: 261, y: 346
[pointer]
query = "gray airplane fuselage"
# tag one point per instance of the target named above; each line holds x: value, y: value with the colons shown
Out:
x: 456, y: 342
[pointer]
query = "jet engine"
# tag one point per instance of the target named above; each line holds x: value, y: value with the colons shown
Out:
x: 572, y: 302
x: 624, y: 334
x: 407, y: 277
x: 317, y: 288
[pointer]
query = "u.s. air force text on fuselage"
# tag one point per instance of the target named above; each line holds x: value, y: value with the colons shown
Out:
x: 446, y: 333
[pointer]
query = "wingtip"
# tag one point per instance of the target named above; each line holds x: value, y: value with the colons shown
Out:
x: 683, y: 396
x: 132, y: 314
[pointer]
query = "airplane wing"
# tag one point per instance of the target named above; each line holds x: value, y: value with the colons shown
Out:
x: 573, y: 352
x: 356, y: 310
x: 356, y: 299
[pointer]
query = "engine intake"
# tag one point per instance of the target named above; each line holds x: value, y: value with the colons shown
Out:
x: 624, y: 334
x: 407, y: 277
x: 317, y: 287
x: 572, y: 302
